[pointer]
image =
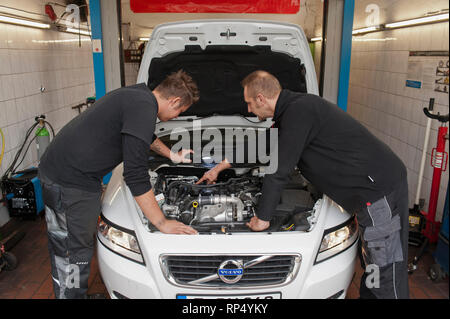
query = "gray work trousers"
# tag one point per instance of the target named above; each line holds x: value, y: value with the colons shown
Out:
x: 71, y: 216
x: 383, y: 228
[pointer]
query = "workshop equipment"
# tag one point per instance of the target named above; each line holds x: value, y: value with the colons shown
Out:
x: 42, y: 137
x: 439, y: 270
x: 429, y: 227
x: 50, y: 12
x: 21, y: 189
x: 7, y: 260
x: 2, y: 152
x: 89, y: 101
x: 23, y: 193
x: 23, y: 149
x: 415, y: 216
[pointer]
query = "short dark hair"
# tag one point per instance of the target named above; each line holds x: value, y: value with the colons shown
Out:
x: 261, y: 82
x: 179, y: 84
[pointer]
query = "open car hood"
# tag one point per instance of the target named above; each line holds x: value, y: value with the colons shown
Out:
x: 219, y: 54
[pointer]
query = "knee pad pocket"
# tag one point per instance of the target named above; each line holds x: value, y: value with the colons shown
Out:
x: 383, y: 242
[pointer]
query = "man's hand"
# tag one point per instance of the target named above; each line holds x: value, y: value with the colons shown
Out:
x: 257, y: 224
x: 180, y: 157
x: 175, y: 227
x: 210, y: 176
x: 151, y: 210
x: 159, y: 147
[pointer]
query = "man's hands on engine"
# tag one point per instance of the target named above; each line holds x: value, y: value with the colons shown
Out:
x: 257, y: 224
x: 211, y: 176
x: 175, y: 227
x: 168, y: 226
x: 153, y: 213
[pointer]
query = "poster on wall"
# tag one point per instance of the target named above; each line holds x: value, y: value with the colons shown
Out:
x: 428, y: 70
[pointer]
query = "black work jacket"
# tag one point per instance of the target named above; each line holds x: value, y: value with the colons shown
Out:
x: 336, y: 153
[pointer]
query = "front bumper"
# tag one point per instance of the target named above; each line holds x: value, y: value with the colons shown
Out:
x: 127, y: 279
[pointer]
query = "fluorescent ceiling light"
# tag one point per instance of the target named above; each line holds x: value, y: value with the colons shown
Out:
x: 436, y: 18
x: 365, y: 30
x: 143, y: 39
x: 77, y: 31
x: 357, y: 39
x: 27, y: 23
x: 61, y: 41
x: 316, y: 39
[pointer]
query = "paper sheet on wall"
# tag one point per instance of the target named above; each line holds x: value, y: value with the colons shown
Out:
x: 428, y: 70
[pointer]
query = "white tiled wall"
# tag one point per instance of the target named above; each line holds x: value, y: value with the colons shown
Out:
x: 379, y: 99
x: 131, y: 69
x: 131, y: 73
x: 31, y: 59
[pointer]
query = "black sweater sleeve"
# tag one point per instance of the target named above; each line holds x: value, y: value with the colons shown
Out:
x: 294, y: 133
x: 135, y: 162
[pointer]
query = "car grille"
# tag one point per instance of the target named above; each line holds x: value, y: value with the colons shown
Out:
x: 186, y: 269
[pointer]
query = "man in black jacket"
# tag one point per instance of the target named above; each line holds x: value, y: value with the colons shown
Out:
x: 342, y: 159
x: 119, y: 127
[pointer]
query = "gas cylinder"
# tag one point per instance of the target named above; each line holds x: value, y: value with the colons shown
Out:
x: 42, y: 138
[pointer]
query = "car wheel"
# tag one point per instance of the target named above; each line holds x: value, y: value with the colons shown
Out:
x: 11, y: 261
x: 436, y: 274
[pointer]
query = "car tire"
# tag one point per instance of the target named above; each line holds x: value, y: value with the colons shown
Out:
x: 11, y: 261
x: 436, y: 274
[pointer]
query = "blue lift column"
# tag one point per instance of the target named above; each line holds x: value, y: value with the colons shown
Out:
x: 97, y: 48
x: 97, y: 56
x: 346, y: 53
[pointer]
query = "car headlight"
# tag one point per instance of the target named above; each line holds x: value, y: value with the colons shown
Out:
x: 338, y: 239
x: 120, y: 240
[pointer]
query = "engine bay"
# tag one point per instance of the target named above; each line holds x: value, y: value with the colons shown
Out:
x: 227, y: 205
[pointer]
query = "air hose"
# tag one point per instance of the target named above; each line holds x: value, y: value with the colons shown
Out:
x: 3, y: 147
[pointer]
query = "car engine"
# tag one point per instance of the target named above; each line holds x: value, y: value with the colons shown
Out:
x: 226, y: 205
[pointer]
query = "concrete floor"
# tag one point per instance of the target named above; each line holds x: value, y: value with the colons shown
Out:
x: 32, y: 279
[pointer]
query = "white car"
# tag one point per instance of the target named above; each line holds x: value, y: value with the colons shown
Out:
x: 310, y: 248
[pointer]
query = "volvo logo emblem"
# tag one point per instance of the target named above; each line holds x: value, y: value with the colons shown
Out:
x: 231, y: 271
